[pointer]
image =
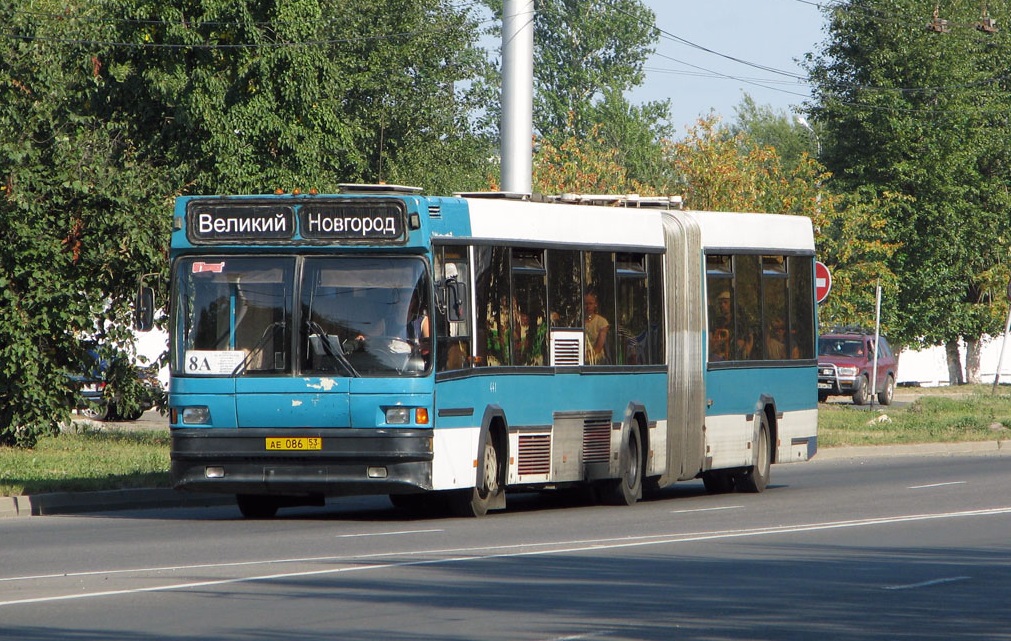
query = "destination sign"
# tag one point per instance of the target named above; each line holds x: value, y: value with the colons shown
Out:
x: 232, y: 223
x: 363, y: 220
x: 341, y: 221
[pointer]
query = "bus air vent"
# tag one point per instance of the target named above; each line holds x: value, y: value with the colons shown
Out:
x: 566, y: 348
x: 434, y: 211
x: 534, y: 454
x: 596, y: 440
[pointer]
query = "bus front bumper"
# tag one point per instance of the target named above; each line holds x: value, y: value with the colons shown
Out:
x: 348, y: 461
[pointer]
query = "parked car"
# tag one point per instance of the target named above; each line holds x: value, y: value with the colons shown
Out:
x: 98, y: 402
x: 846, y: 367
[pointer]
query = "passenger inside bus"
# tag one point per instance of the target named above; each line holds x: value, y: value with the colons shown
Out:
x: 596, y: 329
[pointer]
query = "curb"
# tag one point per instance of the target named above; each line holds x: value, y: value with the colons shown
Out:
x: 983, y: 448
x: 105, y: 501
x: 112, y: 500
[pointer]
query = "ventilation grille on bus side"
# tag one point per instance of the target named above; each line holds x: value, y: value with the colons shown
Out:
x: 566, y: 348
x: 596, y: 440
x: 434, y: 211
x: 534, y: 454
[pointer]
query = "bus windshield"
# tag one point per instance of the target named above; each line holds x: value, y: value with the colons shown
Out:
x: 357, y: 316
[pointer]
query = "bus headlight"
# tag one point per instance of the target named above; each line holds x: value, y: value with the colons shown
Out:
x: 398, y: 415
x: 197, y: 415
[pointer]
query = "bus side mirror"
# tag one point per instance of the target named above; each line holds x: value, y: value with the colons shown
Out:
x: 143, y: 319
x: 456, y: 297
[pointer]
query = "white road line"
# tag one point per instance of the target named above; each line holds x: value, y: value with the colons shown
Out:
x: 708, y: 509
x: 923, y: 487
x: 367, y: 534
x: 926, y: 584
x: 522, y: 550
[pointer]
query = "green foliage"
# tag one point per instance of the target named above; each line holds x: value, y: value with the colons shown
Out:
x: 114, y: 107
x: 581, y: 49
x: 730, y: 169
x: 777, y: 129
x: 908, y: 111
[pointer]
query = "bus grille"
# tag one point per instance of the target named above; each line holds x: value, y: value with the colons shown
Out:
x: 534, y: 454
x: 434, y: 211
x: 596, y: 440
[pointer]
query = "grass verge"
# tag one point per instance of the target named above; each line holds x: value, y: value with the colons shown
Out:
x: 963, y: 414
x: 107, y: 459
x: 84, y: 460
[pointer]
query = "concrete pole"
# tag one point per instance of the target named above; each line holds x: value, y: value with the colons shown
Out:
x: 517, y: 95
x: 1007, y: 328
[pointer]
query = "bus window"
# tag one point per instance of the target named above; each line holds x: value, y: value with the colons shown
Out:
x: 599, y: 308
x: 747, y: 283
x: 234, y: 316
x: 365, y: 317
x: 801, y: 308
x: 530, y: 333
x: 491, y: 285
x: 564, y: 297
x: 655, y: 346
x: 632, y: 308
x: 452, y: 310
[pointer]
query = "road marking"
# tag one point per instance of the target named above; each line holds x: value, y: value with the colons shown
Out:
x: 466, y: 555
x: 708, y: 509
x: 367, y: 534
x: 926, y: 584
x: 923, y: 487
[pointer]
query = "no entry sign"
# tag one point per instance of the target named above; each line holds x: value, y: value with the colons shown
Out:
x: 822, y: 281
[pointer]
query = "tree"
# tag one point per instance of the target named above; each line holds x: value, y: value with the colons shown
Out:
x: 113, y: 108
x: 917, y: 108
x: 769, y: 128
x: 725, y: 169
x: 586, y: 56
x: 75, y: 219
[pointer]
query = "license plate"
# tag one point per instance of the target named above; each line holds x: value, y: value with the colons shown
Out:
x: 824, y: 385
x: 294, y: 444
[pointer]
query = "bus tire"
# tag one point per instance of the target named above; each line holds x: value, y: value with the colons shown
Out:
x: 257, y: 506
x: 475, y: 501
x: 756, y: 478
x: 627, y: 489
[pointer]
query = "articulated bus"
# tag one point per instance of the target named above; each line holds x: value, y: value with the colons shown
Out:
x: 447, y: 350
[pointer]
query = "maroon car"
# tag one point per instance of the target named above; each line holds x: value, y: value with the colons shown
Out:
x: 846, y: 367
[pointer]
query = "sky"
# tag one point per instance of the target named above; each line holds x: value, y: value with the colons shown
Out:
x: 765, y: 37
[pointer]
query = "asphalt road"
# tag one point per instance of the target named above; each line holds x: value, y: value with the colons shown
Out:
x: 904, y: 548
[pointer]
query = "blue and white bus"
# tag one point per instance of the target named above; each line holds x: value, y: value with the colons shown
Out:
x: 446, y: 350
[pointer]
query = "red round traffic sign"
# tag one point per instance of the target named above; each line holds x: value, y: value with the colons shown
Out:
x: 822, y: 281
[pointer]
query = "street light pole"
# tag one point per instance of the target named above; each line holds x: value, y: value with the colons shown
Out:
x: 802, y: 121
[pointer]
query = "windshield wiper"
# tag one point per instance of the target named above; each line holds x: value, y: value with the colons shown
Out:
x: 268, y: 332
x: 328, y: 347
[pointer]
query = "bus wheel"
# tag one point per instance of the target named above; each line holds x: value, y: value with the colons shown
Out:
x: 256, y: 506
x: 718, y: 481
x: 627, y: 489
x: 476, y: 500
x: 757, y: 477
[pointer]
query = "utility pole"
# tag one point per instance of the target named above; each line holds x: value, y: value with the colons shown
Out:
x: 517, y: 128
